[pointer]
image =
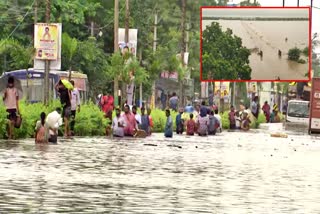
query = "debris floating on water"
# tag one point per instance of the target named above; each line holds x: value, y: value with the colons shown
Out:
x: 150, y: 144
x: 282, y: 135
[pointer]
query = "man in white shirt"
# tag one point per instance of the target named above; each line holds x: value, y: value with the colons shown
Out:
x: 75, y: 102
x: 118, y: 124
x: 136, y: 115
x: 53, y: 122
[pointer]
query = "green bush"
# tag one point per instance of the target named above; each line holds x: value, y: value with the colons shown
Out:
x: 305, y: 51
x: 225, y: 120
x: 294, y: 54
x: 159, y: 119
x: 89, y: 121
x: 255, y: 123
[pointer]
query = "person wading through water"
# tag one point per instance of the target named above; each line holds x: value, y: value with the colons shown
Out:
x: 75, y: 102
x: 40, y: 131
x: 65, y: 99
x: 11, y: 101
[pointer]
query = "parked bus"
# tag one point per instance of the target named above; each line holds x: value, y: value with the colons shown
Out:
x: 32, y: 82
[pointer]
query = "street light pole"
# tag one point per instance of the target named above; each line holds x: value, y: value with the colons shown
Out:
x: 47, y: 62
x: 116, y: 48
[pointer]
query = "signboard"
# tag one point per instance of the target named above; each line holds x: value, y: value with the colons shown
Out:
x: 204, y: 89
x: 221, y: 89
x: 133, y: 40
x: 314, y: 125
x: 170, y: 75
x: 47, y: 42
x: 251, y: 87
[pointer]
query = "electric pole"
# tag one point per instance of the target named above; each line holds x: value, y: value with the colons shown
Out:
x: 126, y: 36
x: 92, y: 29
x: 116, y: 48
x: 126, y: 40
x: 35, y: 11
x: 298, y: 3
x: 47, y: 62
x: 183, y: 50
x: 283, y: 3
x: 153, y: 96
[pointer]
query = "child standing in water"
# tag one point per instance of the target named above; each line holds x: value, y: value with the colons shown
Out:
x: 40, y: 129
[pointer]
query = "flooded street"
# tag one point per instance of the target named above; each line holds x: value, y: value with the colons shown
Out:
x: 229, y: 173
x: 269, y: 36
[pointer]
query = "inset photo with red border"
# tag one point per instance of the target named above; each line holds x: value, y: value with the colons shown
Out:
x: 255, y: 44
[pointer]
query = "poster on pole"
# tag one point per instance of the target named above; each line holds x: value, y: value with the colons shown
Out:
x: 221, y: 89
x: 252, y: 87
x: 47, y: 42
x: 133, y: 40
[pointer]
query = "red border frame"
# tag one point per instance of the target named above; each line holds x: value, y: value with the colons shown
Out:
x: 225, y: 7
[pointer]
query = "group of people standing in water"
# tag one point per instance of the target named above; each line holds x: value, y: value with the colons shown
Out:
x: 47, y: 127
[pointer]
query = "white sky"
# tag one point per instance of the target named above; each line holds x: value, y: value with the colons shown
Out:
x: 293, y: 3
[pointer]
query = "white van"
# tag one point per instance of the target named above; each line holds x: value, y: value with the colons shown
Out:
x: 298, y: 112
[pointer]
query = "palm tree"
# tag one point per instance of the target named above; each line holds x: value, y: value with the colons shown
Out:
x: 22, y: 56
x: 69, y: 48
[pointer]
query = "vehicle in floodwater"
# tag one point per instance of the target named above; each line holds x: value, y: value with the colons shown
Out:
x: 298, y: 113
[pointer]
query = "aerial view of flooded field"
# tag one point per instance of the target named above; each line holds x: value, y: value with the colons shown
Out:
x: 269, y: 43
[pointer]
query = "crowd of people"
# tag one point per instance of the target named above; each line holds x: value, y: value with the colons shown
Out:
x: 46, y: 129
x: 203, y: 120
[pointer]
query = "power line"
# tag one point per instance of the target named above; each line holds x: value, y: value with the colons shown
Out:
x: 31, y: 6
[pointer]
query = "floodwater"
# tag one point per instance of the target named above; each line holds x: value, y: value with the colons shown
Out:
x: 269, y: 36
x: 228, y: 173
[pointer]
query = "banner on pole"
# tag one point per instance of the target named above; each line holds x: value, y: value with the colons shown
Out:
x: 133, y: 40
x: 47, y: 42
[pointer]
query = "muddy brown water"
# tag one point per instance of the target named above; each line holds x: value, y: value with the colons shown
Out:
x: 269, y: 36
x: 228, y: 173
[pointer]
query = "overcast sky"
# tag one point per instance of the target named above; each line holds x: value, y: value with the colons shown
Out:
x: 259, y: 12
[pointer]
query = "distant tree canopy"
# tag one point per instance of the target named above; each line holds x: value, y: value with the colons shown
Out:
x: 223, y: 56
x: 294, y: 54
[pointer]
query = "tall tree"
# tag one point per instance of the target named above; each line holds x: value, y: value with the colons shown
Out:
x: 223, y: 55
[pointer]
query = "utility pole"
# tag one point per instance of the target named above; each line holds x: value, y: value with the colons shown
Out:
x: 126, y: 40
x: 298, y: 3
x: 283, y: 3
x: 92, y: 29
x: 35, y: 21
x: 35, y: 11
x: 234, y: 94
x: 153, y: 96
x: 140, y: 89
x: 116, y: 48
x: 126, y: 36
x: 183, y: 50
x: 47, y: 62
